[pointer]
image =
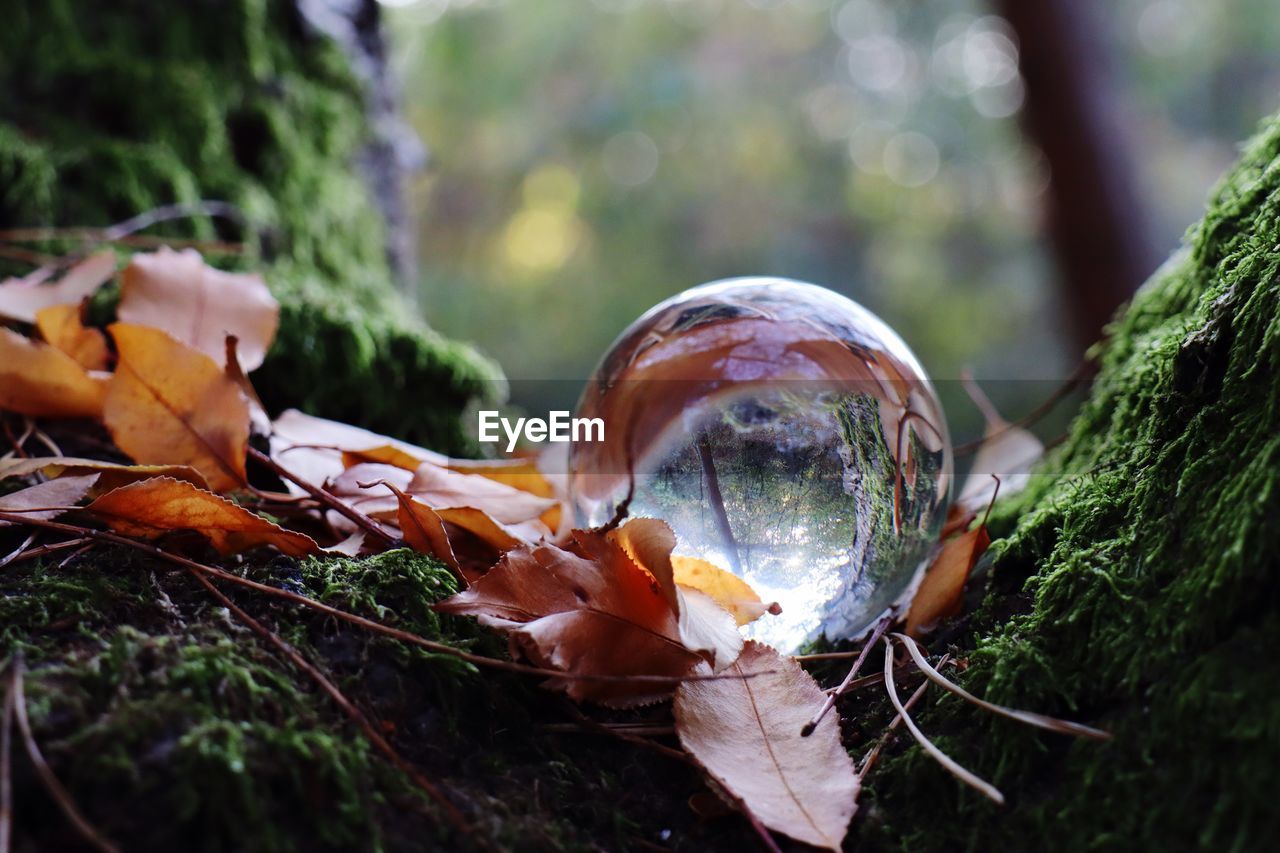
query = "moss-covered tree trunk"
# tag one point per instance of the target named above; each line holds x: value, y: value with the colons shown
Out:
x: 111, y: 110
x: 1135, y: 586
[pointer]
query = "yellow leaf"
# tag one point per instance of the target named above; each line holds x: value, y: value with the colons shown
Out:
x: 152, y: 508
x: 61, y: 327
x: 111, y: 475
x: 169, y: 404
x: 38, y: 380
x: 725, y: 588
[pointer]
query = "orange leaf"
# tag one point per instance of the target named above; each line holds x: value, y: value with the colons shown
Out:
x: 727, y: 589
x: 49, y: 500
x: 38, y: 380
x: 746, y: 733
x: 942, y: 588
x: 587, y: 610
x: 21, y: 299
x: 152, y: 508
x: 200, y: 305
x: 168, y: 404
x: 61, y: 327
x: 110, y: 474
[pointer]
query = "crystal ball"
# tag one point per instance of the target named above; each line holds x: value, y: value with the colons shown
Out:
x: 787, y: 435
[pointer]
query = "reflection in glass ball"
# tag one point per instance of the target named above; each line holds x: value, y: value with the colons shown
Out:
x: 786, y: 434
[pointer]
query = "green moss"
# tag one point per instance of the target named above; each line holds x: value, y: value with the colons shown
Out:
x: 107, y: 113
x: 1138, y: 585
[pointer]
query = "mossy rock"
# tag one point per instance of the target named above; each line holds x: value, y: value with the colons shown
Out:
x: 110, y: 111
x: 1138, y: 585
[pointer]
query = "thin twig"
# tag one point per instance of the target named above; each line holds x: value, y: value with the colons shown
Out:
x: 17, y: 552
x: 1040, y: 721
x: 882, y: 625
x: 44, y: 772
x: 41, y: 550
x: 354, y: 619
x: 364, y: 522
x: 870, y: 760
x: 948, y: 763
x: 357, y: 716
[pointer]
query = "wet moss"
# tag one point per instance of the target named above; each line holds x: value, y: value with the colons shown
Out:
x: 106, y: 113
x: 1138, y: 583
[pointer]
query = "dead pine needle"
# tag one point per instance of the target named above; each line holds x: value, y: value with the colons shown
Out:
x: 948, y: 763
x: 18, y: 703
x: 869, y: 761
x: 882, y: 625
x: 1052, y: 724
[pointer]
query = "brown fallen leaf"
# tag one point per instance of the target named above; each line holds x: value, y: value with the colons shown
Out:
x: 22, y: 298
x: 745, y: 732
x: 942, y: 589
x: 168, y: 404
x: 462, y: 537
x: 45, y: 501
x: 727, y: 589
x: 161, y: 505
x: 38, y: 380
x: 62, y: 328
x: 200, y: 305
x: 111, y: 475
x: 587, y: 609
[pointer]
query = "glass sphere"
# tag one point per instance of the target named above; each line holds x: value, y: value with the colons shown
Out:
x: 786, y: 434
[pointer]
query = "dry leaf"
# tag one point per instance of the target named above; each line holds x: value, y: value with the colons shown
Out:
x: 45, y: 501
x: 168, y: 404
x: 152, y: 508
x: 38, y: 380
x: 23, y: 298
x: 312, y: 448
x: 942, y: 589
x: 586, y: 610
x: 62, y: 328
x: 1007, y: 452
x: 110, y: 474
x: 462, y: 537
x: 441, y: 487
x: 727, y: 589
x: 746, y: 734
x: 200, y: 305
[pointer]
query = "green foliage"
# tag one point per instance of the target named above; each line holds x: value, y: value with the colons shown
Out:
x: 1139, y: 586
x: 106, y: 113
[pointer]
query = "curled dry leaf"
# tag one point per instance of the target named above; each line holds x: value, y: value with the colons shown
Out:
x: 200, y: 305
x: 1003, y: 461
x: 110, y: 474
x: 586, y: 609
x: 942, y: 588
x: 45, y: 501
x: 745, y: 732
x: 464, y: 538
x: 39, y: 380
x: 168, y: 404
x: 23, y: 298
x: 151, y: 508
x: 62, y: 327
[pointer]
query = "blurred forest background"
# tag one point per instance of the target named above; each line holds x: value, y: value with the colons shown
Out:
x: 587, y: 158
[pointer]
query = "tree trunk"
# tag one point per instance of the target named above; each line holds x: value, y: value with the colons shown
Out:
x: 111, y: 110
